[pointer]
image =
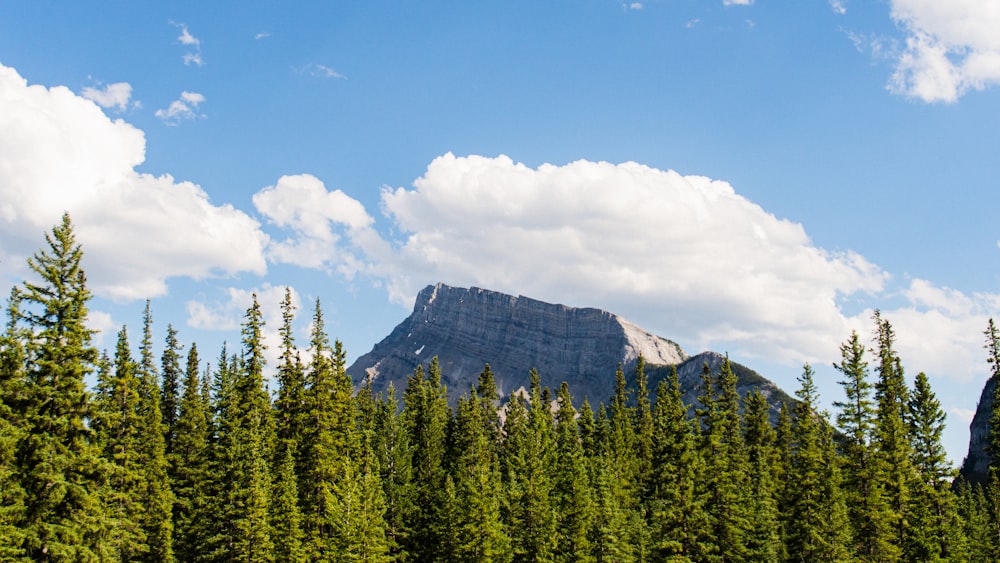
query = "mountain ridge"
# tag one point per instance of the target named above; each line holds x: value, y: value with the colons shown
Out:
x: 466, y: 328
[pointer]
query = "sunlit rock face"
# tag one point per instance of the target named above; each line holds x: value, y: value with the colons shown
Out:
x: 468, y: 328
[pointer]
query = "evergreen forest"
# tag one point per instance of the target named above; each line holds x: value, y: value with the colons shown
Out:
x: 179, y: 455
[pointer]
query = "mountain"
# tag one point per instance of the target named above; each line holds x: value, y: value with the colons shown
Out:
x: 468, y: 328
x: 977, y: 461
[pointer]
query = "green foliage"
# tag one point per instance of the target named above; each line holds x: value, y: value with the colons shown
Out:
x: 194, y: 466
x: 58, y: 461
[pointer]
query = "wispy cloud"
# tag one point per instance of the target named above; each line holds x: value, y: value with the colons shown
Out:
x: 692, y: 23
x: 737, y: 2
x: 185, y: 38
x: 318, y: 70
x: 262, y: 35
x: 634, y: 6
x: 181, y: 109
x: 838, y: 7
x: 113, y: 96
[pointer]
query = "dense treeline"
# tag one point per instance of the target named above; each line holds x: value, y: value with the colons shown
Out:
x: 169, y: 460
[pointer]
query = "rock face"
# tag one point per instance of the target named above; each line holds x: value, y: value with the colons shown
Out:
x: 977, y: 461
x: 467, y: 328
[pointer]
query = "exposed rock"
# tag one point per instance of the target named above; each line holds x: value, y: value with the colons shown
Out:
x: 467, y: 328
x: 977, y: 461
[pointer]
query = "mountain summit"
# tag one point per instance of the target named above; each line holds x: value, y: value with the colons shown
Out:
x: 468, y: 328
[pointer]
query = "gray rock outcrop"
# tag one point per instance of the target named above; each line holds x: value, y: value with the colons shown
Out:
x: 468, y: 328
x: 977, y: 461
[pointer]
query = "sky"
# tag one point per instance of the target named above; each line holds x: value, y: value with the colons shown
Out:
x: 749, y: 177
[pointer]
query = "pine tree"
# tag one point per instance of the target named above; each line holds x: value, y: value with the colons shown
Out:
x: 530, y: 456
x: 425, y: 418
x: 393, y: 455
x: 867, y: 506
x: 155, y: 495
x: 727, y: 471
x: 290, y: 419
x: 894, y: 470
x: 678, y: 520
x: 479, y: 531
x: 571, y: 493
x: 816, y: 521
x: 245, y: 430
x: 765, y: 544
x: 170, y: 364
x: 189, y: 462
x: 934, y: 535
x: 118, y: 422
x: 12, y: 356
x: 59, y: 464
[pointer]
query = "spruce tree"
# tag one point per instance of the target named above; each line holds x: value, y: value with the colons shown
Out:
x: 867, y: 505
x: 726, y: 483
x: 934, y: 535
x: 678, y: 521
x: 244, y: 428
x: 893, y: 458
x: 118, y: 422
x: 189, y: 462
x: 425, y: 418
x: 571, y: 492
x: 155, y: 495
x: 393, y: 455
x: 170, y: 393
x: 12, y: 356
x: 530, y: 456
x: 816, y: 521
x: 765, y: 544
x: 58, y: 461
x: 479, y: 532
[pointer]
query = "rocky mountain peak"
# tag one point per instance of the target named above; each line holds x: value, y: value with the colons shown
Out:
x: 465, y: 328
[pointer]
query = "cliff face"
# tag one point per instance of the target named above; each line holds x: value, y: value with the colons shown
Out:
x: 467, y: 328
x: 977, y: 461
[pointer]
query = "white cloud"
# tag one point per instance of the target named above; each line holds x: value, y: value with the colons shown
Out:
x: 230, y: 313
x: 262, y: 35
x: 302, y: 205
x: 951, y: 48
x: 60, y: 152
x: 185, y: 38
x: 737, y: 2
x: 115, y: 95
x: 635, y: 6
x: 838, y: 7
x: 684, y: 255
x: 181, y: 109
x: 963, y: 415
x: 320, y: 71
x: 103, y: 325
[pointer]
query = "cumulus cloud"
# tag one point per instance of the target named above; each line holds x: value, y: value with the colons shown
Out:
x: 951, y: 48
x: 838, y: 6
x: 113, y: 96
x: 182, y: 108
x: 60, y: 152
x: 315, y: 216
x: 679, y: 254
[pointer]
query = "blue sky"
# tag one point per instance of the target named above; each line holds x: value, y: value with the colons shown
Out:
x: 750, y: 177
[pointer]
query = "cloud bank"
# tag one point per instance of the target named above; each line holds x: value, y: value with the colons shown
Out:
x: 59, y: 152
